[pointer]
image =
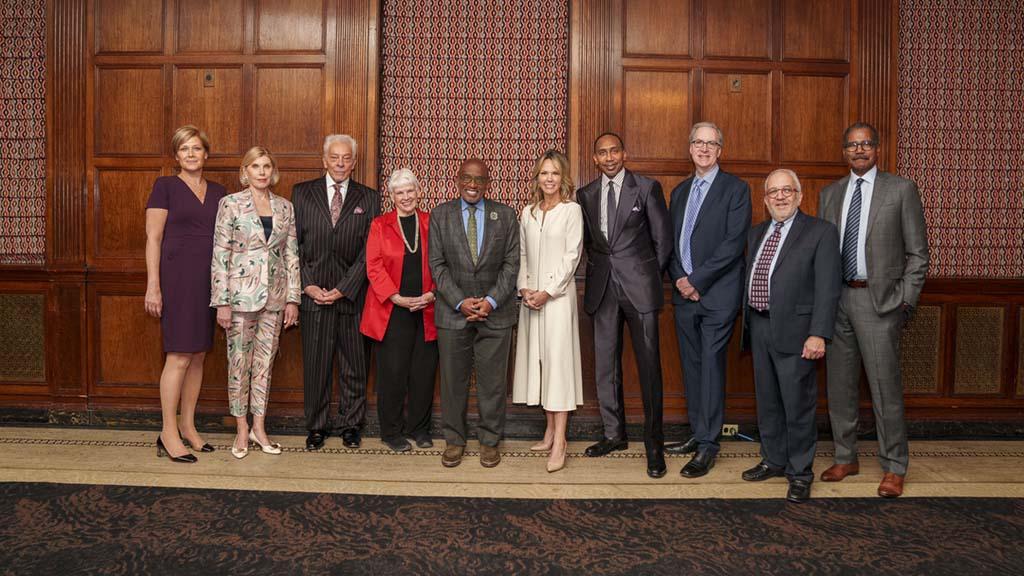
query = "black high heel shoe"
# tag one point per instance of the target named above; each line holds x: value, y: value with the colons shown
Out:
x: 161, y: 451
x: 206, y: 447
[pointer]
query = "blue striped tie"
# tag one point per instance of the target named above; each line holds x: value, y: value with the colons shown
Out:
x: 850, y: 234
x: 693, y: 204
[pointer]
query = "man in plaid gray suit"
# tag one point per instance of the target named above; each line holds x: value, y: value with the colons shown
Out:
x: 474, y: 259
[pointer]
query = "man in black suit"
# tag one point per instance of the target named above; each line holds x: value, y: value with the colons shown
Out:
x: 627, y: 239
x: 474, y: 259
x: 332, y: 220
x: 792, y: 292
x: 710, y: 220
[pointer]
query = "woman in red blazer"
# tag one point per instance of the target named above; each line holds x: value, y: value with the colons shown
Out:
x: 399, y: 315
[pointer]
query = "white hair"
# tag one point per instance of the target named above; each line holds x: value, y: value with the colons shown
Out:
x: 712, y: 125
x: 342, y: 138
x: 786, y: 171
x: 402, y: 177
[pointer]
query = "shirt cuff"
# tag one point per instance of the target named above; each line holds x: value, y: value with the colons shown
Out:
x: 494, y: 305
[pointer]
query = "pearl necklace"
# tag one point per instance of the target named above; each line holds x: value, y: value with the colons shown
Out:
x: 416, y: 234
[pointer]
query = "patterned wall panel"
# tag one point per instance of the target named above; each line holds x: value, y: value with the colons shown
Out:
x: 979, y: 350
x: 23, y: 132
x: 463, y: 78
x: 919, y: 346
x: 22, y: 346
x: 961, y: 131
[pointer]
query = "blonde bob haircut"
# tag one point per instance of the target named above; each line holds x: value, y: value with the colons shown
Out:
x: 568, y: 190
x: 253, y: 154
x: 184, y: 134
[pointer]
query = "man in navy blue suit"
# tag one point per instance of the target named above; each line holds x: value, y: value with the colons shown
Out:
x: 710, y: 219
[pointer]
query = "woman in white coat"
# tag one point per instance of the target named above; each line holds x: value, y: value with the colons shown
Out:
x: 548, y: 345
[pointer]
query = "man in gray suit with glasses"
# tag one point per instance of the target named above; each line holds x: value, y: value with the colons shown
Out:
x: 474, y: 258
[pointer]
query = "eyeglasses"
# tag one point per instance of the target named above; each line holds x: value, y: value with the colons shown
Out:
x: 863, y: 145
x: 784, y: 192
x: 705, y: 144
x: 478, y: 180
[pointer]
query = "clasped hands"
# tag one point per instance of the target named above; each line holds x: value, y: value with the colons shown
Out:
x: 534, y: 299
x: 687, y: 290
x: 475, y: 309
x: 321, y: 296
x: 413, y: 303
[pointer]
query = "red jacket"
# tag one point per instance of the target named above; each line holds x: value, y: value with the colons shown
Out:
x: 385, y: 252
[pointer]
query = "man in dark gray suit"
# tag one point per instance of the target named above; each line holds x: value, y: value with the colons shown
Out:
x: 332, y: 219
x: 884, y: 262
x: 626, y: 232
x: 792, y: 290
x: 474, y: 258
x: 710, y: 219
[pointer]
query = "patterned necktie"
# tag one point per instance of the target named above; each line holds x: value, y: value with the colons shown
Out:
x: 850, y: 234
x: 610, y: 211
x: 759, y: 285
x: 471, y: 233
x: 336, y: 202
x: 693, y: 204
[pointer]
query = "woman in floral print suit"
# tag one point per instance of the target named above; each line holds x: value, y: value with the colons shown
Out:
x: 255, y: 286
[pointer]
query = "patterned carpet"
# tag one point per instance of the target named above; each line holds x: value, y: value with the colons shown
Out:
x: 86, y: 529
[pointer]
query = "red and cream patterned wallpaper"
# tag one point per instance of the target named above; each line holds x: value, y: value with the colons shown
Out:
x: 23, y: 132
x: 464, y: 78
x: 961, y: 131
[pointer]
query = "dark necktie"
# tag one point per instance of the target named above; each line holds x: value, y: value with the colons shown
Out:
x: 610, y: 215
x: 759, y: 284
x: 471, y: 233
x: 336, y: 203
x: 850, y: 234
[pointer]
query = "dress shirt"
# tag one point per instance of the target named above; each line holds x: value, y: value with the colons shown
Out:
x: 330, y: 190
x: 708, y: 179
x: 867, y: 188
x: 618, y: 179
x: 481, y: 217
x: 786, y: 225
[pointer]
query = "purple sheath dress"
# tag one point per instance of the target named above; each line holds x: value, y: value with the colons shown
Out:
x: 187, y: 319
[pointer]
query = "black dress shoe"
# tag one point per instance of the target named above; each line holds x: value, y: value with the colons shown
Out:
x: 699, y: 465
x: 762, y: 471
x: 161, y: 451
x: 206, y: 447
x: 423, y: 441
x: 315, y: 440
x: 605, y: 447
x: 350, y: 438
x: 688, y: 447
x: 397, y: 444
x: 656, y: 463
x: 799, y: 491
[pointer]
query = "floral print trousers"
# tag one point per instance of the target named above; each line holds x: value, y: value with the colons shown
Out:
x: 252, y: 345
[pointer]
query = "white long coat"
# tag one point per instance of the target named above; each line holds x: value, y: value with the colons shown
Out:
x: 548, y: 343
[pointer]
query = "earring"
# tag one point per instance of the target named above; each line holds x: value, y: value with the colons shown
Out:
x: 244, y: 180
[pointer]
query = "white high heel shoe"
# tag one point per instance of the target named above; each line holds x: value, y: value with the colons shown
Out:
x: 272, y: 448
x: 240, y: 453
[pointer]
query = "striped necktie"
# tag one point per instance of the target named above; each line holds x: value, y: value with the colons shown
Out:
x: 851, y: 233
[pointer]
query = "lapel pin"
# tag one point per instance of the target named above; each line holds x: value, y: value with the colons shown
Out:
x: 494, y: 215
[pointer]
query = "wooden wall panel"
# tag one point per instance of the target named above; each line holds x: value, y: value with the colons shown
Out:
x: 814, y: 112
x: 1020, y: 352
x: 212, y: 99
x: 226, y: 177
x: 128, y: 349
x: 738, y: 29
x: 129, y: 26
x: 818, y: 30
x: 657, y: 27
x: 210, y: 25
x: 741, y: 105
x: 290, y: 178
x: 290, y: 25
x: 289, y: 110
x: 657, y: 113
x: 129, y: 112
x: 121, y: 211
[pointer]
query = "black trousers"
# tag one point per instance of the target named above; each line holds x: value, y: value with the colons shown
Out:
x: 406, y: 368
x: 326, y: 333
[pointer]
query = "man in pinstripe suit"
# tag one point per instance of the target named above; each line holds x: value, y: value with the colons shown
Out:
x: 332, y: 218
x: 474, y: 258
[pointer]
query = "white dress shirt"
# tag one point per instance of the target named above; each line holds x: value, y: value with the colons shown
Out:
x: 330, y: 190
x: 618, y: 179
x: 786, y: 225
x: 867, y: 188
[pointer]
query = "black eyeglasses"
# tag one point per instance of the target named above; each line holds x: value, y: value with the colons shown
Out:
x: 704, y: 144
x: 478, y: 180
x: 863, y: 145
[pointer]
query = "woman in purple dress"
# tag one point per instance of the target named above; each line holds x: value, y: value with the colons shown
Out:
x: 180, y: 218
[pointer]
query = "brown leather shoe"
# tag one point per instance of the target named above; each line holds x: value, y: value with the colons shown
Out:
x: 452, y: 456
x: 891, y: 486
x: 489, y: 456
x: 837, y: 472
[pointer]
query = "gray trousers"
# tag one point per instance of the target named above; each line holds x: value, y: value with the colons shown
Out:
x: 460, y: 350
x: 863, y: 338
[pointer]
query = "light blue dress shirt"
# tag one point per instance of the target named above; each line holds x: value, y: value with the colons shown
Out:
x: 480, y: 219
